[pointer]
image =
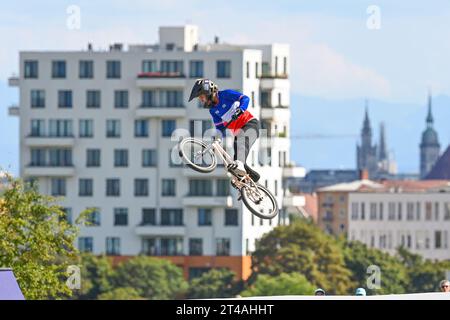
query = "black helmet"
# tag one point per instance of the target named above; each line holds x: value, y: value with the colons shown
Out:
x: 206, y: 87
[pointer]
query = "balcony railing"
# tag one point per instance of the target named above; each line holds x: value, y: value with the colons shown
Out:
x: 144, y: 106
x: 159, y: 74
x: 273, y: 76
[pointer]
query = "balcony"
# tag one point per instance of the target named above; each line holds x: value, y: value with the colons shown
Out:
x: 13, y: 81
x: 271, y: 81
x: 293, y: 200
x: 13, y: 110
x: 275, y: 113
x: 160, y: 112
x: 208, y: 201
x: 46, y: 141
x: 294, y: 172
x: 274, y: 76
x: 47, y: 171
x: 161, y: 80
x: 159, y: 230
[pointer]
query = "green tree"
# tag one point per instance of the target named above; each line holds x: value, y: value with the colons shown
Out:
x: 393, y: 273
x: 127, y: 293
x: 153, y: 278
x: 36, y: 241
x: 302, y: 247
x: 216, y: 283
x: 96, y: 276
x: 284, y: 284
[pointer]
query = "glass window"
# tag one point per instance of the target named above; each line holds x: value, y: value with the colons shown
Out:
x: 265, y: 99
x: 149, y: 158
x: 391, y: 211
x: 37, y: 98
x: 86, y: 69
x: 223, y: 69
x: 67, y: 215
x: 247, y: 70
x: 140, y: 128
x: 86, y: 244
x: 86, y: 129
x: 436, y: 211
x: 373, y: 211
x: 172, y: 246
x: 140, y: 187
x: 93, y: 218
x: 121, y: 99
x: 174, y: 159
x: 447, y: 211
x: 198, y: 127
x: 120, y: 158
x: 438, y: 239
x: 113, y: 69
x: 428, y: 211
x: 120, y: 216
x: 204, y: 217
x: 58, y: 69
x: 60, y: 128
x: 38, y: 158
x: 60, y: 157
x: 171, y: 98
x: 113, y: 128
x: 223, y: 187
x: 168, y: 187
x: 231, y: 217
x: 168, y: 126
x: 265, y: 69
x: 30, y: 70
x: 172, y: 66
x: 86, y: 187
x: 64, y: 99
x: 256, y: 70
x: 58, y: 186
x: 200, y: 187
x: 195, y: 246
x: 196, y: 69
x: 223, y: 247
x: 354, y: 211
x: 93, y: 158
x: 37, y: 128
x: 148, y: 98
x: 171, y: 217
x: 149, y: 66
x: 112, y: 187
x: 148, y: 216
x: 149, y: 247
x: 113, y: 246
x: 93, y: 99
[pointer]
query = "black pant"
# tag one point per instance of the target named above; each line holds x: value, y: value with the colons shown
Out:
x: 245, y: 138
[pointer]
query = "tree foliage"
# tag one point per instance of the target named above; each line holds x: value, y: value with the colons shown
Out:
x: 284, y: 284
x: 216, y: 283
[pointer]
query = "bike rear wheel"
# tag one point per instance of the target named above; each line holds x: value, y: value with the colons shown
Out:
x: 267, y: 208
x: 196, y: 155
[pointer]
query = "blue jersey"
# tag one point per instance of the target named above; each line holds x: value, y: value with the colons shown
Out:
x: 223, y: 111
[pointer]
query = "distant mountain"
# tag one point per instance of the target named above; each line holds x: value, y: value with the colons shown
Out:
x: 404, y: 126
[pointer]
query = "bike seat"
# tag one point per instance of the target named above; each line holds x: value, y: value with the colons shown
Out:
x: 252, y: 173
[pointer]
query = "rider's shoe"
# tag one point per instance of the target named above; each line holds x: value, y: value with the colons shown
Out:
x: 252, y: 173
x: 238, y: 167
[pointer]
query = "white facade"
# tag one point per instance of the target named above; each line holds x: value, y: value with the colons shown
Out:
x: 418, y: 221
x: 128, y: 239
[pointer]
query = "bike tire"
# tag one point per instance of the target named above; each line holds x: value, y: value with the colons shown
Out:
x: 257, y: 213
x: 188, y: 161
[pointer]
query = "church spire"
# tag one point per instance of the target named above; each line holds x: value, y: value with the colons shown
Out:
x: 430, y: 115
x: 383, y: 148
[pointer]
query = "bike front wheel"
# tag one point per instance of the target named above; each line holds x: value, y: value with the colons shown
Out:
x: 261, y: 203
x: 197, y: 155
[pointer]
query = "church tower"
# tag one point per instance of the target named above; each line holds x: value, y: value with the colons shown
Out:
x: 429, y: 147
x: 366, y: 153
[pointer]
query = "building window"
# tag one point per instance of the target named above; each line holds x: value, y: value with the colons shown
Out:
x: 223, y: 187
x: 140, y: 187
x: 231, y: 217
x: 30, y: 70
x: 284, y: 65
x: 149, y: 247
x: 120, y: 216
x: 93, y: 158
x: 37, y: 98
x: 67, y: 215
x: 400, y: 211
x: 438, y: 239
x: 58, y: 69
x: 60, y: 128
x: 112, y: 187
x: 428, y: 211
x: 247, y: 70
x: 195, y: 246
x: 223, y: 69
x: 171, y: 98
x: 380, y: 206
x: 410, y: 211
x: 168, y: 187
x: 373, y: 211
x: 204, y: 217
x: 58, y: 187
x: 168, y: 126
x: 171, y: 246
x: 121, y: 99
x: 391, y: 211
x: 197, y: 128
x: 113, y: 246
x: 148, y: 99
x: 265, y: 99
x: 196, y: 69
x: 171, y: 217
x: 265, y: 69
x: 93, y: 99
x: 86, y: 69
x: 60, y: 157
x: 120, y: 158
x: 86, y: 244
x: 113, y: 69
x: 174, y: 159
x: 256, y: 70
x: 86, y: 187
x: 149, y: 66
x: 149, y: 158
x: 436, y: 211
x: 148, y: 217
x: 64, y: 99
x: 140, y: 128
x: 447, y: 211
x: 172, y: 66
x: 276, y: 65
x: 113, y: 128
x: 223, y: 247
x: 37, y: 128
x: 418, y: 211
x: 93, y: 218
x: 354, y: 211
x: 200, y: 187
x: 253, y: 99
x: 86, y: 129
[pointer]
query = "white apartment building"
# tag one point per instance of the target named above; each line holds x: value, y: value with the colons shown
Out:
x: 412, y: 214
x: 96, y: 126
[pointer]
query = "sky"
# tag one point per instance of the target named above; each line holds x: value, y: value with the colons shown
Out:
x: 335, y: 55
